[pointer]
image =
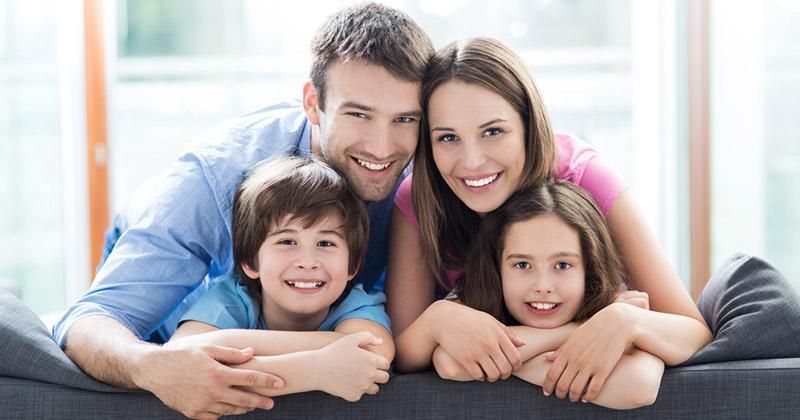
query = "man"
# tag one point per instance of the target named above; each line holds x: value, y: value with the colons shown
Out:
x: 360, y: 112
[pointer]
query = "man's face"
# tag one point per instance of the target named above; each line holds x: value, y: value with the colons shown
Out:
x: 369, y: 126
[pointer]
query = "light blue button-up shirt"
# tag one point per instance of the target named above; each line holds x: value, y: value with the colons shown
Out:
x: 173, y: 241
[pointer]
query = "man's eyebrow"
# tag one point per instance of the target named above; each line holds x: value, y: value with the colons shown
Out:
x: 357, y: 105
x: 488, y: 123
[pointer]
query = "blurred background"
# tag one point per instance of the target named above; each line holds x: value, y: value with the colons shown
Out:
x: 693, y: 101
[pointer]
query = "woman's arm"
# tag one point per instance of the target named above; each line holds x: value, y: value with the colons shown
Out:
x: 594, y: 349
x: 633, y: 383
x: 480, y: 343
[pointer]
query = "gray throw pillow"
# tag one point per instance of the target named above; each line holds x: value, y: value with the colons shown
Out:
x: 28, y: 350
x: 753, y: 312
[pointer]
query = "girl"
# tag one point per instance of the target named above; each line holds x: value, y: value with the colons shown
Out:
x: 485, y: 135
x: 545, y: 260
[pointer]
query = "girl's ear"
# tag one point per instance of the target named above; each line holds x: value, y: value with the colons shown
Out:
x: 249, y: 272
x: 310, y: 102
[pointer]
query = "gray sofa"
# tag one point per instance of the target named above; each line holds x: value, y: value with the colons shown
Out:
x: 750, y: 307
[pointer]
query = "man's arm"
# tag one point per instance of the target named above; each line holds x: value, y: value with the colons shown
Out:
x: 189, y: 379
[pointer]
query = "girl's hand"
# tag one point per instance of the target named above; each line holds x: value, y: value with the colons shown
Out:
x: 635, y: 298
x: 347, y: 370
x: 582, y: 365
x: 482, y: 345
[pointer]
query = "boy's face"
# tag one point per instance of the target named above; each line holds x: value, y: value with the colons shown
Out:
x: 302, y: 272
x: 369, y: 126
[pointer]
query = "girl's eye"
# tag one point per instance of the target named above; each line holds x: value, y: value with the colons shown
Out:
x: 326, y: 244
x: 522, y: 265
x: 562, y: 265
x: 287, y: 242
x: 493, y: 131
x: 446, y: 138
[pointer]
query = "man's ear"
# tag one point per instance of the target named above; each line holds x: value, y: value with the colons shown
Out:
x: 311, y: 102
x: 249, y: 272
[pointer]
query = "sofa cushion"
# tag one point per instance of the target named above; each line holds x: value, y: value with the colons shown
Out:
x: 753, y: 312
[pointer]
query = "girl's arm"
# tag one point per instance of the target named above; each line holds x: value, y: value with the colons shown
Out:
x: 633, y: 383
x: 594, y: 349
x: 537, y: 341
x: 480, y: 343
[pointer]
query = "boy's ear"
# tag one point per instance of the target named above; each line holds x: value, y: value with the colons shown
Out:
x: 311, y: 102
x: 249, y: 272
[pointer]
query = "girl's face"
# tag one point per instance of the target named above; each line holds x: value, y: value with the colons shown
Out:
x: 478, y: 142
x: 543, y: 272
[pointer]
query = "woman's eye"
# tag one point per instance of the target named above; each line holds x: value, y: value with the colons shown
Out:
x: 446, y: 138
x: 493, y: 131
x: 561, y: 265
x: 522, y: 265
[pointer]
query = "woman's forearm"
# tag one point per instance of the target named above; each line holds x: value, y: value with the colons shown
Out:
x: 672, y: 338
x: 415, y: 345
x: 538, y: 340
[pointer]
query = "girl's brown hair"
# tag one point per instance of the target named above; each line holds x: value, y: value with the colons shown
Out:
x: 447, y: 225
x: 481, y: 286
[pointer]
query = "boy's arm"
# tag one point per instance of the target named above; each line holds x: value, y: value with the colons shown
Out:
x: 354, y: 325
x: 633, y: 383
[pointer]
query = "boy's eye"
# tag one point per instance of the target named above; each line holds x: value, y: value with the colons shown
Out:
x: 522, y: 265
x: 326, y: 244
x: 357, y: 114
x: 446, y: 138
x: 492, y: 131
x: 563, y: 265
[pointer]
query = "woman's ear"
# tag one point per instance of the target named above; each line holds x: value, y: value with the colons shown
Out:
x: 311, y: 102
x: 249, y: 272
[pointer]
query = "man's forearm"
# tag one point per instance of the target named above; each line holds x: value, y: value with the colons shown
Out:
x: 106, y: 350
x: 266, y: 342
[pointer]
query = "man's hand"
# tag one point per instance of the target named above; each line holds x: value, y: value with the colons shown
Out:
x: 194, y: 380
x: 347, y: 370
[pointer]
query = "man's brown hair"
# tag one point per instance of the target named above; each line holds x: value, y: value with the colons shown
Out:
x: 374, y: 34
x: 306, y: 190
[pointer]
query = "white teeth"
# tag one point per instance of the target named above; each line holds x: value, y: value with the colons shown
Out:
x: 305, y: 284
x: 480, y: 182
x: 373, y: 166
x: 542, y: 306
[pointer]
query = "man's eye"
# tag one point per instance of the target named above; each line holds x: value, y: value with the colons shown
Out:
x: 493, y: 131
x: 405, y: 120
x: 447, y: 138
x: 522, y: 265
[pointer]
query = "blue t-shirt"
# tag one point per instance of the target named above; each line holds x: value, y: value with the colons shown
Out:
x: 173, y: 242
x: 229, y: 305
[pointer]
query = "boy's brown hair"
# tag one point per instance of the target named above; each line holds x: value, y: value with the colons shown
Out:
x: 305, y: 189
x: 374, y: 34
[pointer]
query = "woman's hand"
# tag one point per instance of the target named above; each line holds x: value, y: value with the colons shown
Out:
x: 635, y: 298
x: 582, y: 365
x: 482, y: 345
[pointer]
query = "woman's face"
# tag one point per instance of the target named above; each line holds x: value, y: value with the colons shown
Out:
x: 478, y: 142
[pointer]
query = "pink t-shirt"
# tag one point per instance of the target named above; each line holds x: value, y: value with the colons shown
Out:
x: 578, y: 163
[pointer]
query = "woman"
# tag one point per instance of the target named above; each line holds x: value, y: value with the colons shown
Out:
x: 485, y: 135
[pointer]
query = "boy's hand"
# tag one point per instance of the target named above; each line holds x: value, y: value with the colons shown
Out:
x: 347, y: 370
